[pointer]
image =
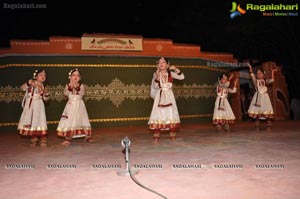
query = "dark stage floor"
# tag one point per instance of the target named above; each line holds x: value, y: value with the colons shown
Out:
x: 200, y: 164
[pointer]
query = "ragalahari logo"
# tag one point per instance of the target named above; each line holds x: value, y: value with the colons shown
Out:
x: 236, y: 10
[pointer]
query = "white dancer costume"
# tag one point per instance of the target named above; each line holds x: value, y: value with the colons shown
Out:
x: 74, y: 121
x: 33, y: 119
x: 261, y: 107
x: 222, y: 112
x: 164, y: 115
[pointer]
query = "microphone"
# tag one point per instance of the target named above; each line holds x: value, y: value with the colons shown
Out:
x: 125, y: 142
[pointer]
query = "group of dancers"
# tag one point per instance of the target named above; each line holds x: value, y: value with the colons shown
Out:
x: 74, y: 121
x: 164, y: 117
x: 260, y: 107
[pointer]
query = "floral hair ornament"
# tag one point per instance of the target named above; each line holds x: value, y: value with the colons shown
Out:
x: 261, y: 70
x: 35, y: 74
x: 221, y: 77
x: 72, y: 71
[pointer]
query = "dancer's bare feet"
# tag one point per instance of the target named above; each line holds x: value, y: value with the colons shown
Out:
x: 90, y: 140
x: 66, y: 143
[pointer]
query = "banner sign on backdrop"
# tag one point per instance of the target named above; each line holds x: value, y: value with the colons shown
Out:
x: 112, y: 43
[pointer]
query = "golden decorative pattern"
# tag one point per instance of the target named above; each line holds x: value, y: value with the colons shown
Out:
x: 127, y: 119
x: 110, y: 66
x: 194, y: 91
x: 116, y: 92
x: 10, y: 94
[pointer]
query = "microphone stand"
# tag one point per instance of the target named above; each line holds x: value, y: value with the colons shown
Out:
x: 131, y: 172
x: 127, y: 171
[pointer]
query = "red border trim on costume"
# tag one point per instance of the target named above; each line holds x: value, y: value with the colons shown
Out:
x: 72, y: 133
x: 223, y: 121
x: 164, y: 126
x: 257, y: 116
x: 32, y: 133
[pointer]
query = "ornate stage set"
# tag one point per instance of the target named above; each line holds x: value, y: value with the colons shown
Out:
x: 117, y: 70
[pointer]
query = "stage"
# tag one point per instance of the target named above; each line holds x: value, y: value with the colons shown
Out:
x: 200, y: 164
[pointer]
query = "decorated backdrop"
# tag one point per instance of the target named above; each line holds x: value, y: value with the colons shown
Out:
x: 118, y: 88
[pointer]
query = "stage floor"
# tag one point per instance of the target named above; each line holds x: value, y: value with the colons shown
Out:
x: 200, y: 164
